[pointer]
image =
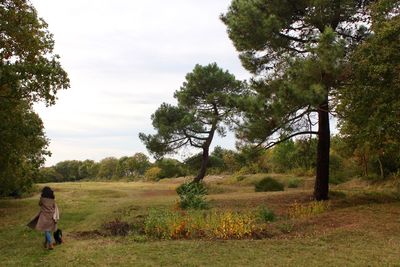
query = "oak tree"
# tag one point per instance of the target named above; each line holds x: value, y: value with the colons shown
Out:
x: 29, y: 72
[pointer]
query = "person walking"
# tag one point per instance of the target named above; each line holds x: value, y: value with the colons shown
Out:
x: 46, y: 220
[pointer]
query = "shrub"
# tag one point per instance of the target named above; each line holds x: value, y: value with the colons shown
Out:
x: 286, y: 227
x: 153, y: 173
x: 231, y: 225
x: 192, y: 195
x: 294, y: 183
x: 251, y: 168
x: 266, y: 215
x: 240, y: 177
x: 167, y: 224
x: 268, y: 184
x: 170, y: 168
x: 303, y: 211
x: 161, y: 223
x: 336, y: 179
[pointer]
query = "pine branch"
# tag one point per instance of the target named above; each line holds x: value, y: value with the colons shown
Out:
x: 268, y: 146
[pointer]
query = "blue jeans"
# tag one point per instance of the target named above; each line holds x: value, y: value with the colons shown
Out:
x: 47, y: 235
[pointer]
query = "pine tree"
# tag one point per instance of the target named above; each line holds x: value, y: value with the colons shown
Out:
x: 296, y: 51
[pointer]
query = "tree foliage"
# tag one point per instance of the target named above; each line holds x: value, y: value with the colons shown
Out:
x: 22, y: 146
x: 29, y: 72
x: 29, y: 69
x: 297, y: 51
x: 369, y: 106
x: 205, y: 105
x: 134, y: 166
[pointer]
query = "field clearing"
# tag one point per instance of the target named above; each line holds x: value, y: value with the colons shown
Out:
x: 361, y: 228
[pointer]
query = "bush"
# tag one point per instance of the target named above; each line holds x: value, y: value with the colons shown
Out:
x: 168, y: 224
x: 192, y: 195
x: 286, y: 227
x: 240, y: 177
x: 268, y: 184
x: 294, y: 183
x: 153, y: 173
x: 170, y: 168
x: 337, y: 179
x: 251, y: 168
x: 266, y: 215
x: 303, y: 211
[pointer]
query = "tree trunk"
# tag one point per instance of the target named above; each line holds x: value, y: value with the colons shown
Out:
x: 321, y: 188
x: 204, y: 163
x: 205, y: 156
x: 381, y: 168
x: 365, y: 163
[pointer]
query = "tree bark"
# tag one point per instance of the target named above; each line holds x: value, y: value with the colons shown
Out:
x: 365, y: 163
x: 205, y: 156
x: 321, y: 188
x: 203, y: 167
x: 381, y: 168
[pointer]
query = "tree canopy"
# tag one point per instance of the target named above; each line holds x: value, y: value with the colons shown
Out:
x: 369, y: 106
x: 205, y: 106
x: 29, y: 72
x: 296, y: 51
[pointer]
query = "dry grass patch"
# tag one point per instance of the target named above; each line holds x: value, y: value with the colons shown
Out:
x: 360, y: 228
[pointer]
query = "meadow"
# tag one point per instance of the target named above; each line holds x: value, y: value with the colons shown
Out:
x: 361, y: 227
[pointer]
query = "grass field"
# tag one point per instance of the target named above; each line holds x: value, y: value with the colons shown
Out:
x: 361, y: 228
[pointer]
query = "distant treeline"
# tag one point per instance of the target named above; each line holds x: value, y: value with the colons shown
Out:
x: 297, y: 157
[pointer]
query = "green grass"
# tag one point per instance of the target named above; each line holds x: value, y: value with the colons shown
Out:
x: 359, y: 230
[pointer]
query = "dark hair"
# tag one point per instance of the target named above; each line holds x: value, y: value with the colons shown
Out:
x: 47, y: 192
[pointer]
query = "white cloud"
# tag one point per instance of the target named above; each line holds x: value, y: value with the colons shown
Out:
x: 124, y: 59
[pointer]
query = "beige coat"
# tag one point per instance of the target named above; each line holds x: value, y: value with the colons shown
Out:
x: 44, y: 220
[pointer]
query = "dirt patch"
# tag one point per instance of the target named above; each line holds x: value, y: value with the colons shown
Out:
x: 117, y: 228
x: 86, y: 234
x: 112, y: 228
x: 366, y: 198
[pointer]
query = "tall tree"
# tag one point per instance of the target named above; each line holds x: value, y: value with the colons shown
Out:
x: 29, y: 69
x: 369, y: 105
x: 295, y: 50
x: 22, y: 146
x: 29, y: 72
x: 205, y: 106
x: 108, y: 168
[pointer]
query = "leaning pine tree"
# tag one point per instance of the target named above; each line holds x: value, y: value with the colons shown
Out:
x: 297, y: 52
x: 206, y: 105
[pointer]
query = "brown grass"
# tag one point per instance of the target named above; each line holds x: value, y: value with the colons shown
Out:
x: 361, y: 228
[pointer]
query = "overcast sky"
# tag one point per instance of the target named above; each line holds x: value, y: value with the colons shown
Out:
x: 125, y: 58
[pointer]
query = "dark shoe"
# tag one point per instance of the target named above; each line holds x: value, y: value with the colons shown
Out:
x: 50, y: 246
